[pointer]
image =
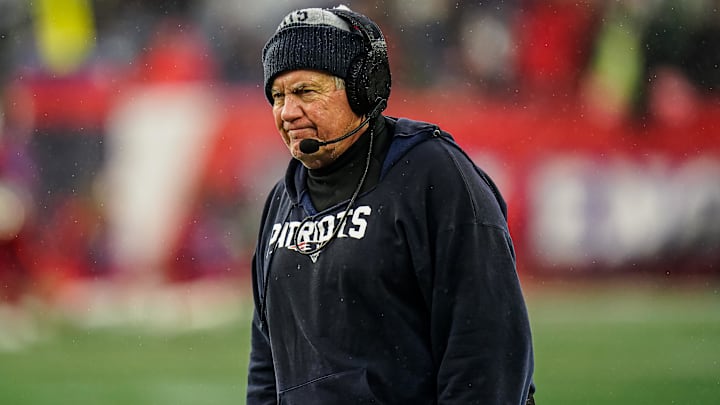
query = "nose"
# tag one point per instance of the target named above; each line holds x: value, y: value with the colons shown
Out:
x: 291, y: 109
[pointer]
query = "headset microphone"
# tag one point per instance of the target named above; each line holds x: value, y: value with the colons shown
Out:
x: 310, y: 146
x: 313, y: 145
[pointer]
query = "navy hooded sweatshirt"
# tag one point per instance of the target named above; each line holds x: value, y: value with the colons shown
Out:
x: 416, y: 299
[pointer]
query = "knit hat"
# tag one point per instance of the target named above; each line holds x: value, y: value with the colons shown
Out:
x: 311, y: 38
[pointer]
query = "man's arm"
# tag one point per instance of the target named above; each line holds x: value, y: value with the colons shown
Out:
x: 261, y: 374
x: 261, y: 388
x: 481, y: 332
x: 481, y: 336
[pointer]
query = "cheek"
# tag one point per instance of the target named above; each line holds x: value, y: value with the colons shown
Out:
x: 279, y: 124
x: 276, y: 117
x: 338, y: 120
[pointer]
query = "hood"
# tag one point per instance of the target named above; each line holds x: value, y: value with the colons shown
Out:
x: 406, y: 134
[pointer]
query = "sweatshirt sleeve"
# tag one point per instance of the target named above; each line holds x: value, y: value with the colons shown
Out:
x: 480, y: 328
x: 261, y: 388
x: 481, y: 333
x: 261, y: 375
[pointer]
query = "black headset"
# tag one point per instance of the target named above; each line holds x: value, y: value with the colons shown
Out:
x: 368, y: 79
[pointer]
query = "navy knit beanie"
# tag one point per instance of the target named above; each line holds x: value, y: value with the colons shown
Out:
x: 311, y: 38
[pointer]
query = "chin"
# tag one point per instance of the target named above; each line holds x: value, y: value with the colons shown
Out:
x: 295, y: 150
x: 311, y: 161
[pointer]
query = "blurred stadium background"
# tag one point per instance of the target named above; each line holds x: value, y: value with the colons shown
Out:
x: 136, y: 148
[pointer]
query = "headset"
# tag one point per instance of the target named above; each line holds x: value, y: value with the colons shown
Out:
x: 368, y: 79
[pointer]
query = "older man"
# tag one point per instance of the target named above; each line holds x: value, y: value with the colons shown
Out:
x: 384, y: 271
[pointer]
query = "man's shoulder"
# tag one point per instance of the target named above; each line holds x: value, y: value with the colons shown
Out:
x: 406, y: 127
x: 412, y: 136
x: 433, y: 155
x: 414, y: 132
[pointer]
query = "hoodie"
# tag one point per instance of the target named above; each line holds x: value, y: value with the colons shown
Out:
x: 414, y: 298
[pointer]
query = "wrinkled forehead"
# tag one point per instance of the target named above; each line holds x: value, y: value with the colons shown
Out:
x: 313, y: 16
x: 302, y: 77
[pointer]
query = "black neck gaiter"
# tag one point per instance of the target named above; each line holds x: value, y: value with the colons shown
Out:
x: 337, y: 182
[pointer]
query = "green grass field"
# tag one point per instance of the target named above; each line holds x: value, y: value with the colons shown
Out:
x: 618, y: 344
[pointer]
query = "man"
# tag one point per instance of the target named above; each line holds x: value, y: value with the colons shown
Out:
x: 384, y: 272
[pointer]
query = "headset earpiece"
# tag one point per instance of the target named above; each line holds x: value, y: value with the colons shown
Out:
x: 368, y: 79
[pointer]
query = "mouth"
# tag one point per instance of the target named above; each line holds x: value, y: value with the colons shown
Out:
x: 301, y: 133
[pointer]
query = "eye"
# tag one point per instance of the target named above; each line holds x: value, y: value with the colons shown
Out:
x: 302, y: 91
x: 277, y: 97
x: 307, y: 92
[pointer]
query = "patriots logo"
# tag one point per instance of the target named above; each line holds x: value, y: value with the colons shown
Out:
x: 308, y: 246
x: 310, y: 236
x: 304, y: 246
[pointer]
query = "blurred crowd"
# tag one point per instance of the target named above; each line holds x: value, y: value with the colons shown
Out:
x: 625, y: 61
x: 538, y: 48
